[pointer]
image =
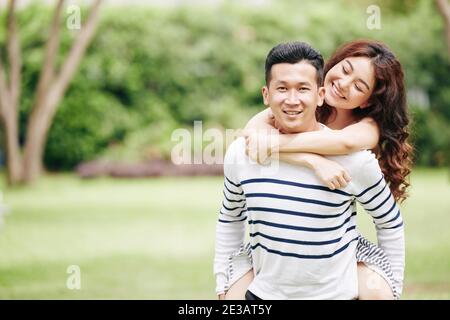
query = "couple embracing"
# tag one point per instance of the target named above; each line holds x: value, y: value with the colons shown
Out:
x: 338, y: 133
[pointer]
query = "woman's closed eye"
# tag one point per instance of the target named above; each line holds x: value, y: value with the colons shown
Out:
x: 344, y: 70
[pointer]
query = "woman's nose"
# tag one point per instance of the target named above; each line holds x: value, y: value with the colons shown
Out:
x: 345, y: 83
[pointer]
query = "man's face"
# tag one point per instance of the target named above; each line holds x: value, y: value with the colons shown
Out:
x: 293, y: 96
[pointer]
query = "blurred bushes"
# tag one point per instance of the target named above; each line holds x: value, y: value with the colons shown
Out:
x: 151, y: 70
x: 430, y: 134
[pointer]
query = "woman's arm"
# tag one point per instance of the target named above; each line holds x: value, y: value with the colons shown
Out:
x: 260, y: 121
x: 359, y: 136
x: 331, y: 173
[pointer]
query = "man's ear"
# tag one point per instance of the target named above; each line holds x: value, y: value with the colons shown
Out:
x: 321, y: 94
x: 265, y: 94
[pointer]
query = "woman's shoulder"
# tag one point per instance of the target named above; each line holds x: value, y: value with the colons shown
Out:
x: 368, y: 120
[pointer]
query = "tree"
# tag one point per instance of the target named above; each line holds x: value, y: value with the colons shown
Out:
x: 444, y: 10
x: 24, y: 166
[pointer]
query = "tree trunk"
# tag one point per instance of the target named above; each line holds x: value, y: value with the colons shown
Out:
x: 12, y: 148
x: 9, y: 100
x: 39, y: 123
x: 51, y: 89
x: 444, y: 10
x: 49, y: 93
x: 37, y: 129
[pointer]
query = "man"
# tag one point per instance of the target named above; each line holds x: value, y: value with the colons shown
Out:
x: 303, y: 235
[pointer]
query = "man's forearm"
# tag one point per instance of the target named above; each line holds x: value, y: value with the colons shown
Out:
x: 392, y: 241
x: 229, y: 237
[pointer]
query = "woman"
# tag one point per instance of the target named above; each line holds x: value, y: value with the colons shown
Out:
x: 365, y: 105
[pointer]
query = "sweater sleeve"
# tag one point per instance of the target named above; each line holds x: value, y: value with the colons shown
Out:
x: 230, y: 227
x: 376, y: 198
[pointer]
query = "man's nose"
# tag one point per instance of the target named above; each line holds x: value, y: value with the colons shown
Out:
x: 293, y: 97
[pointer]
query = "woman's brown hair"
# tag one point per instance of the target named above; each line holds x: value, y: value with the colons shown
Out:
x: 387, y: 106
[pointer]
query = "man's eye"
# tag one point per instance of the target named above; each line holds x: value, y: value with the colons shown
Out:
x: 281, y: 88
x: 304, y: 89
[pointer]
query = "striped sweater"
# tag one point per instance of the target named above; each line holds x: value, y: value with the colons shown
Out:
x: 303, y: 235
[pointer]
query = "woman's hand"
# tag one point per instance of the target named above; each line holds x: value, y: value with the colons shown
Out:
x: 273, y: 122
x: 260, y: 144
x: 331, y: 173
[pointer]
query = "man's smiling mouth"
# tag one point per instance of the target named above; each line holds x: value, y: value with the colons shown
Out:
x: 292, y: 113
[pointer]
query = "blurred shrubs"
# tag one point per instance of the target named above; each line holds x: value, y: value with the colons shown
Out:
x: 430, y: 134
x: 151, y: 70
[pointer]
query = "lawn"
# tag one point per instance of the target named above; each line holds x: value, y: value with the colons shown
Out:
x: 154, y: 238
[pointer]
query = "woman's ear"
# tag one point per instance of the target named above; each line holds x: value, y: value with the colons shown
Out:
x: 265, y: 94
x: 321, y: 94
x: 364, y: 105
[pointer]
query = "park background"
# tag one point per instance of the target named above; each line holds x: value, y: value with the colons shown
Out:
x: 109, y: 201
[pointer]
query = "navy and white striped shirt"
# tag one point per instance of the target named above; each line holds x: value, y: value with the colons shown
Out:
x: 302, y: 234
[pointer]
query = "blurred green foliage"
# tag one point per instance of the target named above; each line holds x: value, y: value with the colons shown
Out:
x: 150, y: 70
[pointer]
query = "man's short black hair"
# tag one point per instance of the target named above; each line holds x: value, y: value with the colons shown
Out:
x: 294, y: 52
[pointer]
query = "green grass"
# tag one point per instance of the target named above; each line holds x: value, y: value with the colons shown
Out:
x: 154, y: 238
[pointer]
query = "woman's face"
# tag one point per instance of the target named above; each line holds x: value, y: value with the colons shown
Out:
x: 350, y: 83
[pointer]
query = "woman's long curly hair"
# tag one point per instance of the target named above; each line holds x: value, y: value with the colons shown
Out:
x: 387, y: 106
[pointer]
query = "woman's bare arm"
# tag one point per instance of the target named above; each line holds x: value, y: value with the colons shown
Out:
x: 260, y: 121
x: 359, y: 136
